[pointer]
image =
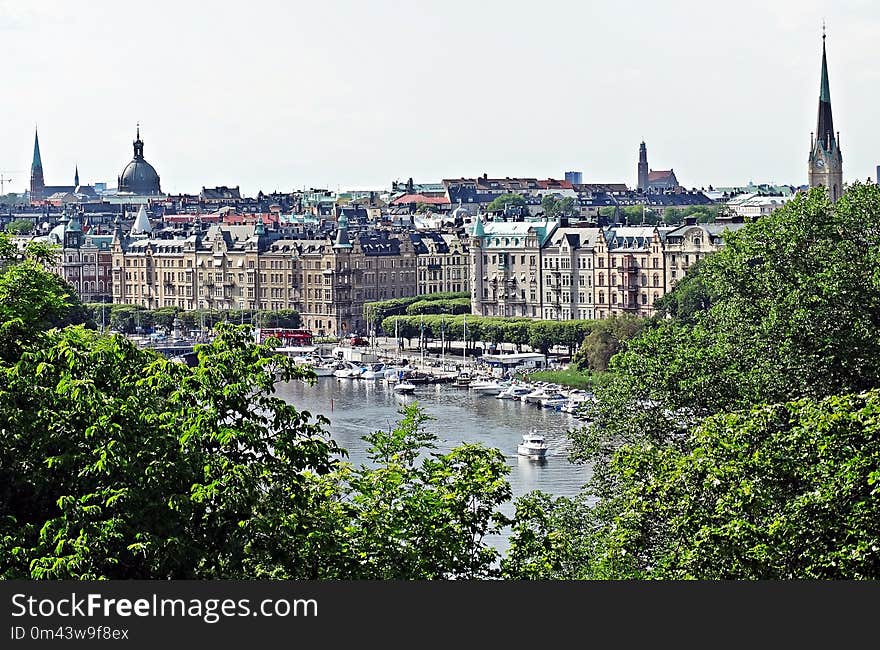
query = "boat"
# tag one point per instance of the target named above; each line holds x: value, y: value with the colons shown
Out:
x: 463, y: 380
x: 533, y: 445
x: 347, y: 370
x: 554, y: 401
x: 404, y: 387
x: 321, y: 367
x: 536, y: 396
x: 514, y: 391
x: 375, y: 371
x: 416, y: 377
x: 487, y: 387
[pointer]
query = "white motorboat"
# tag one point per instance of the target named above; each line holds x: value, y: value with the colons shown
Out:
x: 490, y: 387
x: 347, y: 370
x: 375, y: 371
x: 404, y: 387
x: 533, y: 445
x: 320, y: 367
x: 536, y: 395
x: 463, y: 380
x: 514, y: 391
x: 554, y: 401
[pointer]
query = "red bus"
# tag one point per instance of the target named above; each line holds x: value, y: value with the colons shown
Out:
x: 287, y: 337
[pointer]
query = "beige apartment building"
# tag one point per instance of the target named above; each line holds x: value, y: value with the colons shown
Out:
x: 628, y: 273
x: 443, y: 262
x: 539, y: 269
x: 506, y: 262
x: 686, y: 245
x: 567, y: 273
x: 246, y: 267
x: 227, y: 267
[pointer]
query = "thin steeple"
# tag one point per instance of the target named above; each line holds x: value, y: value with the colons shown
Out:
x: 76, y: 176
x: 825, y: 122
x: 37, y: 162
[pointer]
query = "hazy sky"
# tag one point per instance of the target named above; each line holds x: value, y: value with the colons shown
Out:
x: 345, y: 93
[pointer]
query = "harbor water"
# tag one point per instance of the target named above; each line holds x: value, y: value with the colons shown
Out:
x: 356, y: 407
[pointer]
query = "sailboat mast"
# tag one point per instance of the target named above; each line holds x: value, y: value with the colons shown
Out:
x: 464, y: 336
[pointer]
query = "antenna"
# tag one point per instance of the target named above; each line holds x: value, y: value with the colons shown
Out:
x: 5, y: 179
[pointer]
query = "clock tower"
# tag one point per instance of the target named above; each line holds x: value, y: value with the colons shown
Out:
x: 826, y: 163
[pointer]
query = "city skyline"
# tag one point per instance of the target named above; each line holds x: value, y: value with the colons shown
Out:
x: 347, y: 96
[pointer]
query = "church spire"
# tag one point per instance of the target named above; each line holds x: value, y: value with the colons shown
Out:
x: 76, y: 176
x: 826, y: 161
x: 825, y: 122
x: 38, y: 185
x: 37, y: 162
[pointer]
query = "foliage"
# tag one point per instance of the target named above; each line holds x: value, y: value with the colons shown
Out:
x: 118, y: 463
x: 418, y: 514
x: 32, y: 301
x: 453, y: 306
x: 539, y: 335
x: 607, y: 338
x: 127, y: 318
x: 690, y: 298
x: 571, y: 377
x: 20, y: 226
x: 555, y: 207
x: 500, y: 203
x: 777, y: 492
x: 546, y: 541
x: 378, y: 311
x: 793, y: 318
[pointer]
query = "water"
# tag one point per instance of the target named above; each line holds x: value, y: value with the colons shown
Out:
x: 356, y: 407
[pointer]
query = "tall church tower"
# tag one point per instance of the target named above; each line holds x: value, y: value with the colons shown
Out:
x: 38, y: 185
x: 643, y: 167
x: 826, y: 163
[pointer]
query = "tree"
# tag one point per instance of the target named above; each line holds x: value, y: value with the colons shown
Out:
x: 792, y: 319
x: 20, y: 226
x: 690, y: 298
x: 118, y: 463
x: 417, y: 514
x: 555, y: 207
x: 606, y: 338
x: 32, y: 300
x: 502, y: 202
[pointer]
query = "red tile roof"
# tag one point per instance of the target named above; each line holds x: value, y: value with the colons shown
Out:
x: 659, y: 175
x: 420, y: 198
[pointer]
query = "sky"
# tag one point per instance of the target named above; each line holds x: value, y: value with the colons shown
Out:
x: 339, y: 94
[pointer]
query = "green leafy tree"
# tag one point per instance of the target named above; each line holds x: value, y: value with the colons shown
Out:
x: 502, y: 202
x: 793, y: 316
x: 455, y: 306
x: 32, y: 301
x: 20, y: 226
x: 555, y: 207
x: 118, y: 463
x: 418, y: 514
x: 606, y: 338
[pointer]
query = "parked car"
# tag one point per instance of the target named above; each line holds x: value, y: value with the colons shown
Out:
x: 354, y: 339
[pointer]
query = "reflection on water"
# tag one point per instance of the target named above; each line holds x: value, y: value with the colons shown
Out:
x: 356, y: 407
